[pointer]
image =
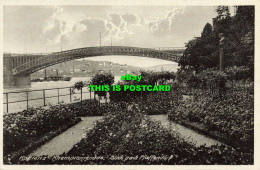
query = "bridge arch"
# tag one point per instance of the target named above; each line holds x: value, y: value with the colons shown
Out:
x: 55, y: 58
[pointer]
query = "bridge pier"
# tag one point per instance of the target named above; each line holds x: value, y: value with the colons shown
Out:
x: 7, y: 71
x: 24, y: 80
x: 9, y: 80
x: 16, y: 81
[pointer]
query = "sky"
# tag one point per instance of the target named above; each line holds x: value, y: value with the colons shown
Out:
x: 37, y: 28
x: 40, y: 29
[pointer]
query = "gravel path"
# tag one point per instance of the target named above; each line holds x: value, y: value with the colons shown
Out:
x: 65, y: 141
x: 188, y: 134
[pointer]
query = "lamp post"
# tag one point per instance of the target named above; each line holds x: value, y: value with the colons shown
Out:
x: 221, y: 52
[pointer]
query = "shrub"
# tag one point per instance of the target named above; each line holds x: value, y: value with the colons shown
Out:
x: 238, y: 73
x: 20, y: 128
x: 233, y: 117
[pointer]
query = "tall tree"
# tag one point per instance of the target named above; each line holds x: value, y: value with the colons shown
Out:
x: 238, y: 30
x: 200, y: 52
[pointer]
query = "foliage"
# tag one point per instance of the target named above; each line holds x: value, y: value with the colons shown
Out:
x: 200, y: 52
x: 183, y: 75
x: 102, y: 79
x: 233, y: 117
x: 98, y: 79
x: 79, y: 85
x: 20, y: 128
x: 148, y: 78
x: 211, y: 80
x: 152, y: 103
x: 92, y: 107
x: 157, y: 103
x: 213, y: 77
x: 154, y: 78
x: 238, y: 31
x: 238, y: 73
x: 214, y: 81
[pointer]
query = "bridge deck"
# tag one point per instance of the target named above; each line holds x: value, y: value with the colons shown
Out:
x: 58, y: 57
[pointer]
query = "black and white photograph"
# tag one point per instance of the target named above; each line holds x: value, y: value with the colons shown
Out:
x: 116, y: 84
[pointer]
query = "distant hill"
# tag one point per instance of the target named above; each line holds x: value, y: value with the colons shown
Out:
x: 76, y: 68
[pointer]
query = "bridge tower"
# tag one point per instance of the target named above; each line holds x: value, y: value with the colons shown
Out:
x: 22, y: 80
x: 9, y: 80
x: 7, y: 71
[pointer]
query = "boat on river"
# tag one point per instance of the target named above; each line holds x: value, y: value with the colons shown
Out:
x: 43, y: 79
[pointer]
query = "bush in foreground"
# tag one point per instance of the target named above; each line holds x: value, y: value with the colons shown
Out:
x: 21, y: 128
x: 232, y: 117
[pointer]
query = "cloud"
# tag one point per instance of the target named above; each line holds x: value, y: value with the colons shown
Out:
x: 116, y: 26
x: 86, y: 33
x: 123, y: 28
x: 130, y: 18
x: 115, y: 19
x: 122, y: 25
x: 163, y: 26
x: 54, y: 27
x: 53, y: 30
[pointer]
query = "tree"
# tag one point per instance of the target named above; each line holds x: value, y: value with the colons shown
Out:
x: 207, y: 31
x: 148, y: 78
x: 245, y: 21
x: 98, y: 79
x: 102, y: 79
x: 203, y: 52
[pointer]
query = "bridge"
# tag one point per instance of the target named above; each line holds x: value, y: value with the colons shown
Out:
x: 20, y: 66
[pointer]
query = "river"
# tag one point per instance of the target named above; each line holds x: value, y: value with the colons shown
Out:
x: 35, y: 97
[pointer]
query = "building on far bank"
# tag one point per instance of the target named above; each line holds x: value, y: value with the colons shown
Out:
x: 76, y: 70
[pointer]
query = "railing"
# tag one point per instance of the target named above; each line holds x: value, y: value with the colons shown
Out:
x: 44, y: 97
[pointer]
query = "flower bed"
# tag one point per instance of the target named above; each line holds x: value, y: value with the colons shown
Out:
x: 13, y: 158
x: 90, y: 107
x: 231, y: 119
x: 23, y: 129
x: 132, y: 138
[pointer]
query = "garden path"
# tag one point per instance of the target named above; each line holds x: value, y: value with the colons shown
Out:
x: 65, y: 141
x: 186, y: 133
